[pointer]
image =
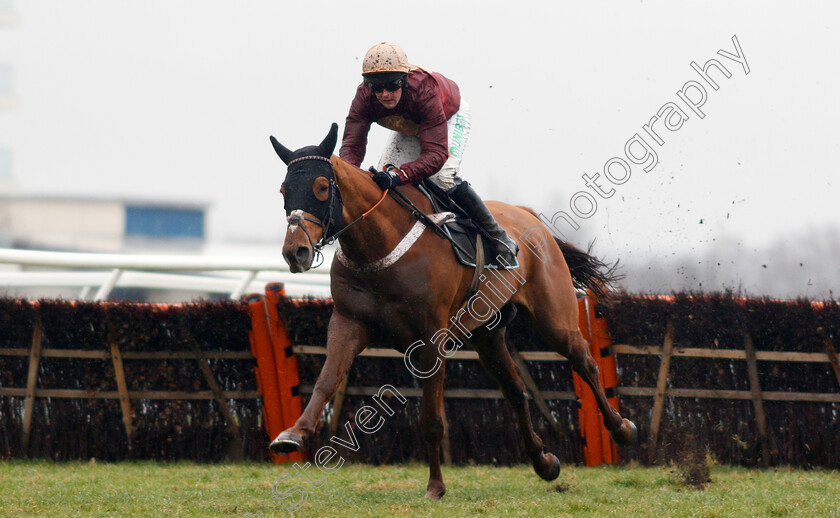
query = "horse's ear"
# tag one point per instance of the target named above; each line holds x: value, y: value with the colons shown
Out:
x: 327, y: 146
x: 284, y: 154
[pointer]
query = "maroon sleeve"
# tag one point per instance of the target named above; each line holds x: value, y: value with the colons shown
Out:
x: 356, y: 128
x: 450, y: 94
x: 433, y: 139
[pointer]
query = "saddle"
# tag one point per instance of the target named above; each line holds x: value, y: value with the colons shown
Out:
x: 462, y: 232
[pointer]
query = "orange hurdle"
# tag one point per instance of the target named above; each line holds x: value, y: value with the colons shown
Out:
x: 601, y: 341
x: 588, y: 414
x: 285, y: 360
x: 267, y: 382
x: 597, y: 446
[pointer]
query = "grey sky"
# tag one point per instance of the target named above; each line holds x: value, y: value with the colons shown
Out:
x: 176, y: 100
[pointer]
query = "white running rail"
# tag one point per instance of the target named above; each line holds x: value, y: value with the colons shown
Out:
x: 235, y: 276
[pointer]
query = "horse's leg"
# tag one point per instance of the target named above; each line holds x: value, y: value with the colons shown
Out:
x: 494, y: 356
x: 571, y: 344
x: 346, y: 338
x: 431, y: 426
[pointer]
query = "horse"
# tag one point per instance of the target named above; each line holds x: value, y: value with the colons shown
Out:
x: 412, y: 295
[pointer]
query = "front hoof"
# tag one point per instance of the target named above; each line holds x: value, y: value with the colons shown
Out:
x: 434, y: 491
x: 626, y: 435
x: 550, y: 469
x: 286, y: 442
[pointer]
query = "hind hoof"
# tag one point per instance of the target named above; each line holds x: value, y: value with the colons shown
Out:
x: 552, y: 471
x: 626, y: 435
x: 286, y: 442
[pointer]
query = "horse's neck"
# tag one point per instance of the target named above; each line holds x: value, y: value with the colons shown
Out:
x: 382, y: 229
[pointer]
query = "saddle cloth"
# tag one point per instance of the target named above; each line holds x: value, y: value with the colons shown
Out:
x: 461, y: 230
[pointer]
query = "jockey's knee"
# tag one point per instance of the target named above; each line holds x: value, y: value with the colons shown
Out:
x: 447, y: 178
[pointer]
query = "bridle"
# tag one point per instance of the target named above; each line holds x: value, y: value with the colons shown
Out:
x: 326, y: 222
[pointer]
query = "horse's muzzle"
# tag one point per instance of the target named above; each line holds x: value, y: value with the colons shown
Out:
x: 298, y: 257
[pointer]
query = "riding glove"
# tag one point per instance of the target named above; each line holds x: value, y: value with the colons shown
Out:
x: 386, y: 179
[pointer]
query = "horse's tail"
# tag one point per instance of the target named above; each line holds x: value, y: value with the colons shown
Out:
x: 588, y: 272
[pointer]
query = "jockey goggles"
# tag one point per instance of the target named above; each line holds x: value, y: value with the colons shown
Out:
x: 391, y: 84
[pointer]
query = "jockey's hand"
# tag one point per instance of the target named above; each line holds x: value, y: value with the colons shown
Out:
x: 386, y: 179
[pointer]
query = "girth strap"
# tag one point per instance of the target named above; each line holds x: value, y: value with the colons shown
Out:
x: 479, y: 266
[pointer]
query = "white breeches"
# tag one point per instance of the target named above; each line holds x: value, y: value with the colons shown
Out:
x: 401, y: 149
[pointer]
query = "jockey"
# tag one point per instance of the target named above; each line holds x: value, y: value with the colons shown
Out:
x: 430, y: 123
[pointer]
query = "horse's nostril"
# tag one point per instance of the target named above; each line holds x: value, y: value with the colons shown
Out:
x: 302, y: 254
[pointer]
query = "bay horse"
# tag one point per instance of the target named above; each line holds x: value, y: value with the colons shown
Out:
x: 409, y: 296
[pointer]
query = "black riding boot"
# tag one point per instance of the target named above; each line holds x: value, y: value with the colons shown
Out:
x: 464, y: 195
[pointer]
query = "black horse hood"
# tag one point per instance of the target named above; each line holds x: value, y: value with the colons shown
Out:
x: 305, y: 165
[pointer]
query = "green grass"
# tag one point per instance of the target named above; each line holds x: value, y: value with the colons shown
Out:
x: 42, y: 488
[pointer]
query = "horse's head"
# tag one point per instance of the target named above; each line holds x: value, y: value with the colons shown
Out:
x: 311, y: 199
